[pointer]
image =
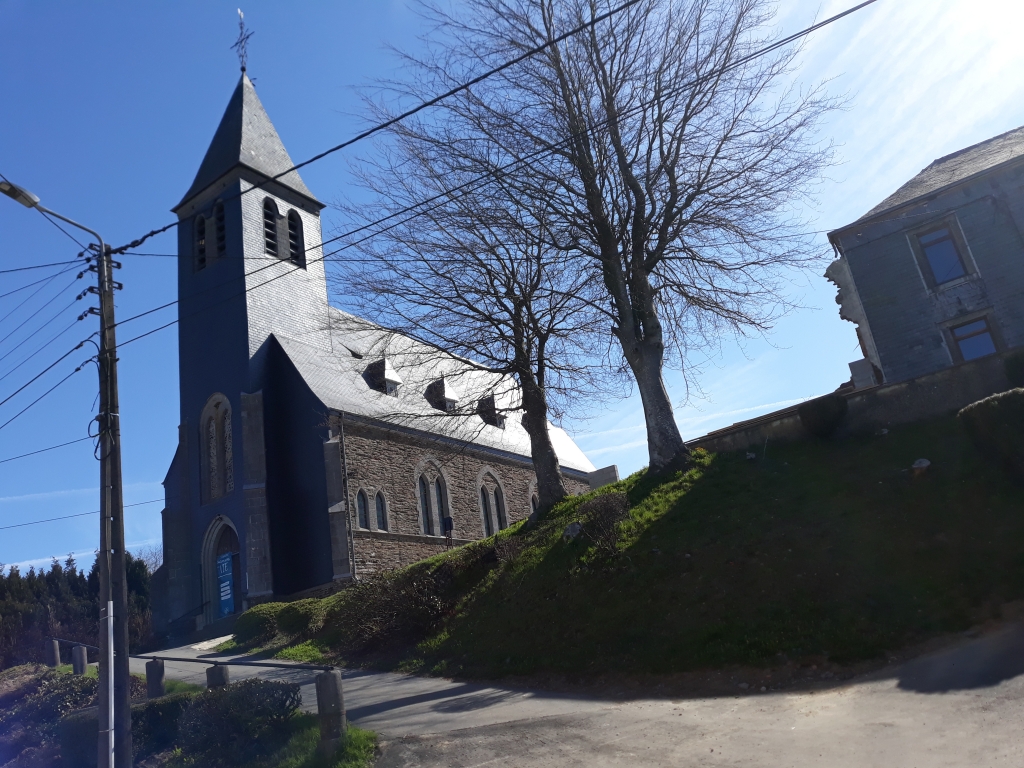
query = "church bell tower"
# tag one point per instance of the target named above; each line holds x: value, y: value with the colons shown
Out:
x: 250, y: 264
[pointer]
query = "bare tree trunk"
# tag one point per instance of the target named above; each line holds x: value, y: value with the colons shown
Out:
x: 665, y: 444
x: 550, y: 483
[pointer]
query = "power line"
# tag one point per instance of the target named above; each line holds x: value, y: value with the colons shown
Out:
x: 40, y: 309
x: 40, y: 349
x: 40, y: 374
x: 37, y: 282
x: 49, y: 219
x: 423, y: 205
x: 409, y: 113
x: 19, y: 413
x: 44, y: 450
x: 38, y: 266
x: 80, y: 514
x: 37, y: 330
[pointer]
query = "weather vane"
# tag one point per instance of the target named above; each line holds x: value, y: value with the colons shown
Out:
x: 242, y: 43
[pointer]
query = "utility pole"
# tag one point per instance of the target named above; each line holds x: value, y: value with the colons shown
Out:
x: 114, y: 697
x: 112, y: 555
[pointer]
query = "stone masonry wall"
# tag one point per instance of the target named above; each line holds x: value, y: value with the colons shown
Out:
x: 391, y: 462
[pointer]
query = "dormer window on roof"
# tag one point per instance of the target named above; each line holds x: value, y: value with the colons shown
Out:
x: 443, y: 396
x: 487, y: 410
x: 383, y: 377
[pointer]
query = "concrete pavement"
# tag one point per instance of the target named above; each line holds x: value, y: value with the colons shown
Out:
x: 963, y: 706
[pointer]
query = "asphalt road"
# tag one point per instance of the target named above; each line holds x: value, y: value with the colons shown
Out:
x: 963, y: 706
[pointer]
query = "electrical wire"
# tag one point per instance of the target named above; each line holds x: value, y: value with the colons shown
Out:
x: 13, y: 349
x: 80, y: 514
x: 40, y: 349
x: 44, y: 450
x: 19, y: 413
x: 408, y: 113
x: 40, y: 309
x: 420, y: 207
x: 42, y: 372
x: 38, y: 266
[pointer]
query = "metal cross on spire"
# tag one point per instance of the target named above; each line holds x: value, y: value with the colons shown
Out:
x: 241, y: 44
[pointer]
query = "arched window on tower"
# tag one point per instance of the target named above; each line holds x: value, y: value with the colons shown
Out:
x: 296, y: 242
x: 485, y: 509
x: 200, y: 245
x: 216, y: 449
x: 426, y: 517
x: 221, y: 231
x: 362, y: 513
x: 382, y: 512
x: 270, y: 217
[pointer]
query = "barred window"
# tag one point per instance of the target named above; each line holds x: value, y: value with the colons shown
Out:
x: 270, y: 227
x: 200, y: 242
x: 219, y: 227
x: 296, y: 244
x: 382, y: 512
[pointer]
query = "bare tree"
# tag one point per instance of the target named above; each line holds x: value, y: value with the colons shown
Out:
x: 671, y: 160
x: 485, y: 278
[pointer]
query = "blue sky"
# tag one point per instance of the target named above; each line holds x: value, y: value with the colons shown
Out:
x: 108, y: 108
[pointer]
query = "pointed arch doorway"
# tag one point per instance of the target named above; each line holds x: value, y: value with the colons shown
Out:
x: 222, y: 571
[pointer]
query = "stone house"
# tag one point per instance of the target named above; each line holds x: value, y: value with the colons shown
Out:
x: 933, y: 276
x: 313, y: 446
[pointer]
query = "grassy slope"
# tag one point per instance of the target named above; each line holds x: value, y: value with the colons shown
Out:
x: 819, y: 549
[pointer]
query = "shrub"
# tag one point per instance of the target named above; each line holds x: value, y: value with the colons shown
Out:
x: 996, y: 427
x: 154, y: 729
x: 302, y: 617
x: 259, y: 623
x: 238, y: 723
x: 392, y: 607
x: 822, y: 416
x: 1013, y: 364
x: 56, y: 696
x: 601, y: 517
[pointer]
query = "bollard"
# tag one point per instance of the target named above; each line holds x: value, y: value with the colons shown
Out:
x: 216, y: 676
x: 155, y: 678
x: 330, y: 706
x: 79, y: 659
x: 52, y: 652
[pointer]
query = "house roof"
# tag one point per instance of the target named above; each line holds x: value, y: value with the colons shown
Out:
x: 246, y: 137
x: 337, y: 379
x: 954, y: 168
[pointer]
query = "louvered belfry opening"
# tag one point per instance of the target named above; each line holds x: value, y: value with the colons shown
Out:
x: 270, y: 227
x: 218, y: 223
x: 200, y: 242
x: 296, y: 247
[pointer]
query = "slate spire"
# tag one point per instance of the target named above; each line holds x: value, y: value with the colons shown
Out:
x: 246, y: 137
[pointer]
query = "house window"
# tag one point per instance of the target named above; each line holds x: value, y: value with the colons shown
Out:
x: 974, y: 340
x: 943, y: 256
x: 296, y: 246
x: 485, y: 506
x: 426, y: 518
x: 442, y: 501
x: 218, y: 223
x: 362, y: 515
x: 382, y: 512
x: 200, y: 242
x: 499, y: 507
x: 270, y: 227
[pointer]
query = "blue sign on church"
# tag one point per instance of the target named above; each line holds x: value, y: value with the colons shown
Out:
x: 225, y: 585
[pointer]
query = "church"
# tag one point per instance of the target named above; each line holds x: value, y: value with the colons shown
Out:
x: 314, y: 447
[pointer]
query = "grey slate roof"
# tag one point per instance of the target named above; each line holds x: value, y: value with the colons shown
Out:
x: 246, y: 137
x: 337, y: 379
x: 956, y: 167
